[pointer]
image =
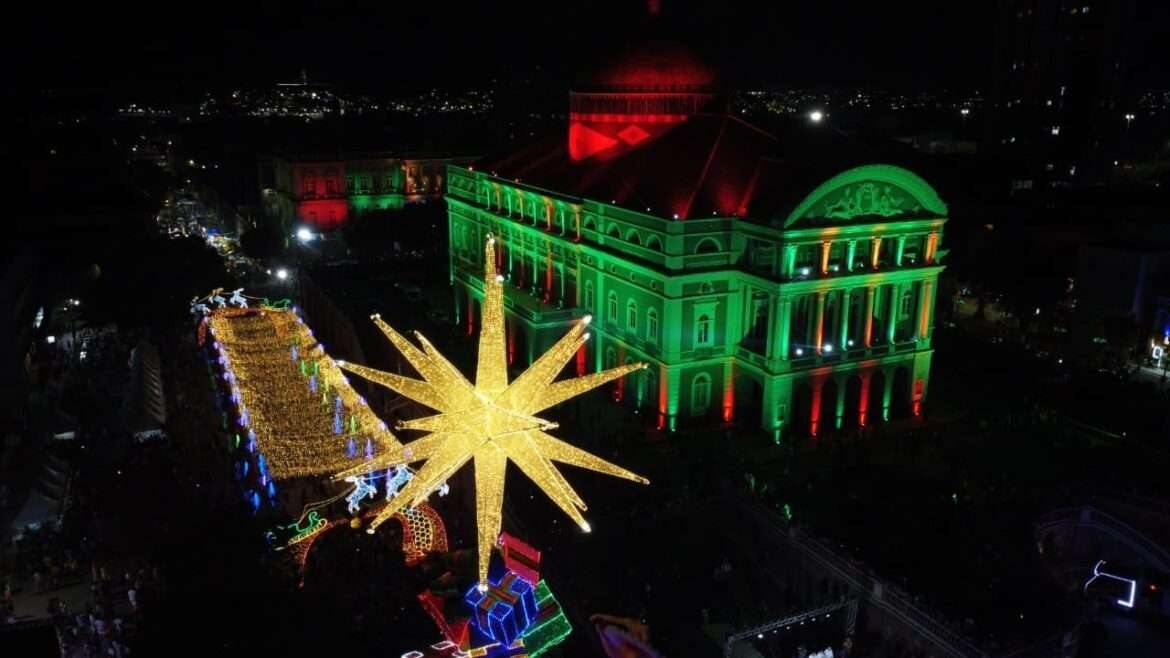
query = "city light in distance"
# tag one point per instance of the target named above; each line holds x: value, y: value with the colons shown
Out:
x: 282, y: 274
x: 816, y: 116
x: 304, y: 234
x: 50, y: 339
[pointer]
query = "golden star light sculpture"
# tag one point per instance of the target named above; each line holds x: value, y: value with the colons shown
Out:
x: 491, y: 421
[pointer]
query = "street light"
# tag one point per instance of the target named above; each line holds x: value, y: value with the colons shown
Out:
x: 816, y: 116
x: 282, y: 274
x: 304, y: 234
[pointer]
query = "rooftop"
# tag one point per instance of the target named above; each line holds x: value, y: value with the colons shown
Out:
x: 708, y: 165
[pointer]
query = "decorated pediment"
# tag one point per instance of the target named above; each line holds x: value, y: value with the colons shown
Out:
x: 865, y: 199
x: 874, y: 192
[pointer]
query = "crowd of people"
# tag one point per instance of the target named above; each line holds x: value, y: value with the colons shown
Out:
x: 108, y: 623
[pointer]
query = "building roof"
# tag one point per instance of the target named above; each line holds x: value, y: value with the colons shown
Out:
x: 710, y: 164
x: 651, y: 66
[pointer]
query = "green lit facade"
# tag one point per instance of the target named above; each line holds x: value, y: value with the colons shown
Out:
x: 785, y: 279
x: 324, y: 191
x: 809, y: 322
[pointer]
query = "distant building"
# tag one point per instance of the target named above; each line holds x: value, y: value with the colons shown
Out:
x: 1059, y: 98
x: 323, y: 191
x: 787, y: 281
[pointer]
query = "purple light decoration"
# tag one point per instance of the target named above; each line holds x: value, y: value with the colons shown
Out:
x: 313, y: 383
x: 351, y: 448
x: 369, y: 448
x: 337, y: 403
x: 336, y: 423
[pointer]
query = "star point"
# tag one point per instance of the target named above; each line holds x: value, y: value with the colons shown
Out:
x: 491, y: 421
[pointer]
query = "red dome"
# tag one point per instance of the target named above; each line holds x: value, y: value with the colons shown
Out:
x: 653, y: 67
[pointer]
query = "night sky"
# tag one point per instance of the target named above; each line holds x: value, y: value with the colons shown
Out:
x: 384, y: 44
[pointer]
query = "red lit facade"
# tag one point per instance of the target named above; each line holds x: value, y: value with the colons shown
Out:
x: 324, y: 192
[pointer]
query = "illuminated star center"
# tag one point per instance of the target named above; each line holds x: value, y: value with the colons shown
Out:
x: 491, y: 421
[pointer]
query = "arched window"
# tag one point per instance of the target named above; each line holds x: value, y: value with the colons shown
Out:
x: 652, y: 325
x: 703, y: 331
x: 589, y: 295
x: 614, y: 232
x: 633, y: 237
x: 708, y: 246
x: 309, y: 181
x: 589, y: 224
x: 631, y: 316
x: 612, y: 310
x: 700, y: 394
x: 610, y: 358
x: 653, y: 243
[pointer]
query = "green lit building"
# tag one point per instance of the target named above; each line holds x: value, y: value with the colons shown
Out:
x: 324, y: 191
x: 788, y: 280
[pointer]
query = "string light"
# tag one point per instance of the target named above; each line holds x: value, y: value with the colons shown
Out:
x: 423, y: 532
x: 491, y: 421
x: 275, y: 397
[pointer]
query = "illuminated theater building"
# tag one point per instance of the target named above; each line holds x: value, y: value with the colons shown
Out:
x: 789, y: 279
x: 324, y: 191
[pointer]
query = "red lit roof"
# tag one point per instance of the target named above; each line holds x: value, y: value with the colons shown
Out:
x: 711, y: 164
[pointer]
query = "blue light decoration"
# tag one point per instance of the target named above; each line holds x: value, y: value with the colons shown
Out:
x: 293, y: 350
x: 363, y: 488
x: 245, y: 466
x: 313, y: 383
x: 369, y: 448
x: 351, y: 448
x: 337, y: 422
x: 254, y: 499
x: 272, y: 490
x: 396, y: 478
x: 262, y: 464
x: 505, y: 610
